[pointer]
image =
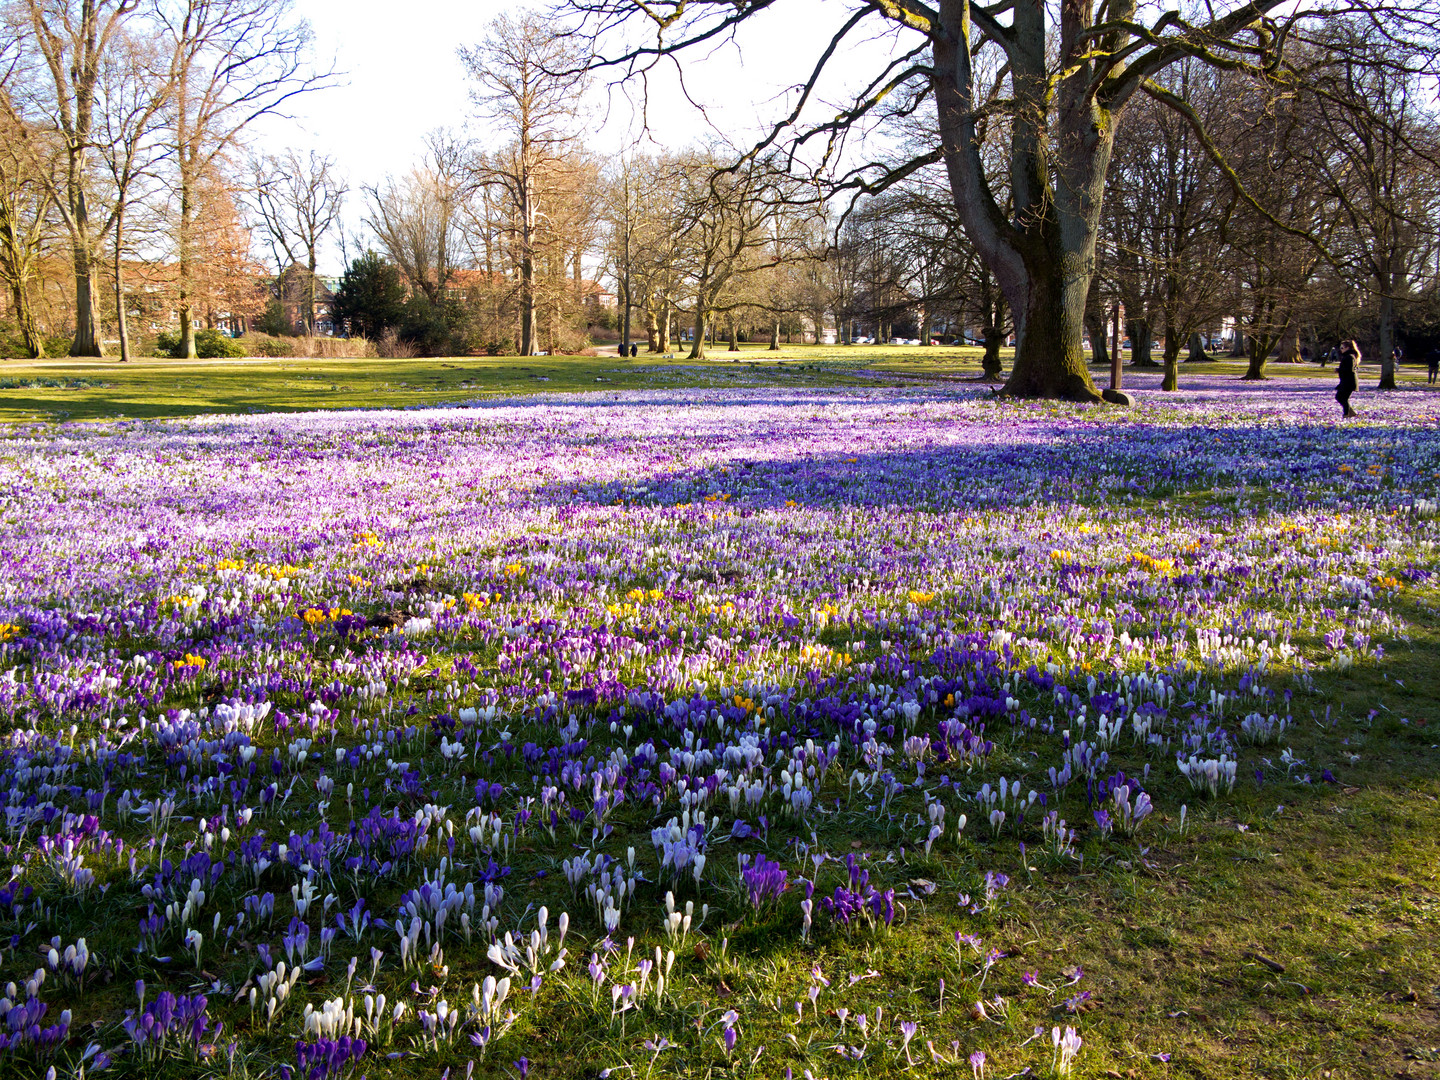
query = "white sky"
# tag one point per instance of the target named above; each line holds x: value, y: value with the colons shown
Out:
x: 402, y: 79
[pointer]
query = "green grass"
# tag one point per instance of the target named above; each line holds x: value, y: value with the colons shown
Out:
x: 67, y: 389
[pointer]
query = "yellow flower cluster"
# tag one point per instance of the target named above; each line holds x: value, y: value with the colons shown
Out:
x: 823, y: 656
x: 320, y: 616
x: 8, y: 631
x: 515, y: 570
x: 1061, y: 555
x: 475, y: 601
x: 920, y: 599
x: 190, y: 661
x: 639, y: 595
x: 271, y: 570
x: 1150, y: 564
x: 368, y: 539
x: 744, y: 703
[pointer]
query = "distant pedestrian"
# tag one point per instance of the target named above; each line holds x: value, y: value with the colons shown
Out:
x: 1349, y: 358
x: 634, y: 351
x: 1433, y: 361
x: 1332, y: 355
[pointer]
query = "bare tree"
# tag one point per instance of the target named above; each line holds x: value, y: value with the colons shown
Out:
x: 417, y: 218
x: 132, y: 95
x: 297, y: 200
x: 61, y: 48
x: 26, y: 226
x: 1378, y: 149
x: 1065, y: 75
x: 231, y: 62
x: 526, y: 83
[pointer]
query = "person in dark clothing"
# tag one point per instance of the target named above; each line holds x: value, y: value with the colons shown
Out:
x: 1433, y: 361
x: 1349, y: 357
x: 634, y: 351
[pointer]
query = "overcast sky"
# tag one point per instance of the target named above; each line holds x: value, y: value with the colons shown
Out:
x: 402, y: 78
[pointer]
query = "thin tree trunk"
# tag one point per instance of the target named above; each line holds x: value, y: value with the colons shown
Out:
x: 527, y: 267
x: 187, y: 211
x: 668, y: 314
x: 122, y: 324
x: 775, y: 336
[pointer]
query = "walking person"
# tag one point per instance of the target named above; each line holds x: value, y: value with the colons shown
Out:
x: 1433, y: 363
x: 1349, y: 358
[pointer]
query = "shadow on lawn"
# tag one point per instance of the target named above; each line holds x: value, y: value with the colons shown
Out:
x: 1048, y: 464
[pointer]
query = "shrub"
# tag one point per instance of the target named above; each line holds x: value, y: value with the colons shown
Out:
x: 209, y: 345
x: 268, y: 346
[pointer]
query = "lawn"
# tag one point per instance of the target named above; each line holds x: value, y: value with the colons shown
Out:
x: 106, y: 389
x: 961, y: 737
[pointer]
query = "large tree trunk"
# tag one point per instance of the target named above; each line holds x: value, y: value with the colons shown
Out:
x: 87, y: 333
x: 1237, y: 343
x: 1172, y: 362
x: 1049, y: 357
x: 652, y: 329
x: 1095, y: 327
x: 775, y: 336
x: 1387, y: 339
x: 25, y: 322
x: 1290, y: 347
x: 1142, y: 343
x: 734, y: 335
x: 1197, y: 349
x: 697, y: 352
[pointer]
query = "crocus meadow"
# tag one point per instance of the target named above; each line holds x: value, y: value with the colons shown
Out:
x: 390, y: 743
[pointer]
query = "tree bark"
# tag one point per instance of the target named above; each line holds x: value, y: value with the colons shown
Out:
x: 1142, y: 343
x: 652, y: 330
x: 87, y: 335
x: 1095, y: 327
x: 775, y: 336
x: 1049, y: 358
x: 697, y: 352
x: 1237, y: 343
x: 665, y: 328
x: 734, y: 335
x: 1197, y: 349
x: 1290, y: 346
x: 527, y: 264
x: 1387, y: 337
x: 1171, y: 381
x: 122, y: 324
